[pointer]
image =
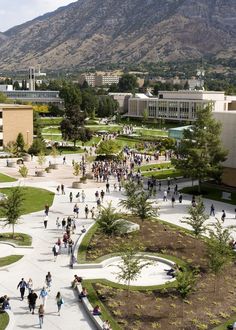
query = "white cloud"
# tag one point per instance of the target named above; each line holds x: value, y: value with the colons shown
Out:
x: 14, y: 12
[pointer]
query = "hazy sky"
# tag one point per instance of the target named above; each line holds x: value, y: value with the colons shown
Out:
x: 14, y: 12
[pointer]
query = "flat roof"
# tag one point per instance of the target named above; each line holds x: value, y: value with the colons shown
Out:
x: 192, y: 92
x: 14, y: 106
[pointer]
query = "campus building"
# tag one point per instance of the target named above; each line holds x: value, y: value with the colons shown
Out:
x: 35, y: 97
x: 122, y: 99
x: 15, y: 119
x: 177, y: 105
x: 99, y: 79
x: 228, y: 138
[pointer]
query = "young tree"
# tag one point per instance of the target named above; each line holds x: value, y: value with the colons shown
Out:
x: 197, y: 217
x: 76, y: 168
x: 54, y: 153
x: 200, y: 152
x: 131, y: 265
x: 220, y: 253
x: 23, y: 170
x: 185, y: 280
x: 145, y: 115
x: 41, y: 158
x: 144, y: 208
x: 12, y: 208
x: 128, y: 83
x: 20, y: 143
x: 108, y: 221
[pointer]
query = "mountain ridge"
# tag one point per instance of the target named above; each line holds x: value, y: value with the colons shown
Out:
x: 87, y: 32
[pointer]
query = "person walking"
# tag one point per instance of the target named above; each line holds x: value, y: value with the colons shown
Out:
x: 30, y: 285
x: 86, y: 211
x: 83, y: 196
x: 71, y: 197
x: 46, y: 209
x: 93, y: 212
x: 64, y: 160
x: 165, y: 196
x: 62, y: 189
x: 59, y: 301
x: 55, y: 250
x: 212, y: 211
x: 41, y: 315
x: 63, y: 224
x: 173, y: 201
x: 180, y: 198
x: 22, y: 285
x: 44, y: 295
x: 48, y: 281
x: 32, y: 297
x: 223, y: 216
x: 45, y: 221
x: 102, y: 194
x: 58, y: 190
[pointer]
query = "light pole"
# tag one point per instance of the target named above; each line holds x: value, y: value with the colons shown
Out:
x: 27, y: 138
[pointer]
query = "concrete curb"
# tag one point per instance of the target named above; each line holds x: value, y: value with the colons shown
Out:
x: 17, y: 246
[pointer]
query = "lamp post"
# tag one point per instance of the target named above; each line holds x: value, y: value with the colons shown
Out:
x: 27, y: 138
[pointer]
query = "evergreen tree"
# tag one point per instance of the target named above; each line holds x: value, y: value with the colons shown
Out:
x: 20, y: 143
x: 200, y: 151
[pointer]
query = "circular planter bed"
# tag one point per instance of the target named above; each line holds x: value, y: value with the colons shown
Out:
x: 26, y: 158
x: 76, y: 185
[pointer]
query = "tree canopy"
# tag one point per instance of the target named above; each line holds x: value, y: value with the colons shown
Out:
x: 128, y: 83
x: 200, y: 151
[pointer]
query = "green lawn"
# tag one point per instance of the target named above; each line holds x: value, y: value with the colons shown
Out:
x: 70, y: 150
x: 94, y: 140
x: 4, y: 320
x: 51, y: 130
x: 210, y: 193
x: 19, y: 239
x: 47, y: 121
x: 35, y: 199
x: 5, y: 261
x: 144, y: 168
x: 163, y: 174
x: 6, y: 178
x: 150, y: 132
x: 123, y: 142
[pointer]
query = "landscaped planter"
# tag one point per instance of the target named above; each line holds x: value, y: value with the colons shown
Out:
x: 39, y: 173
x: 89, y: 176
x: 26, y: 158
x: 76, y: 185
x: 54, y: 166
x: 83, y: 180
x: 11, y: 164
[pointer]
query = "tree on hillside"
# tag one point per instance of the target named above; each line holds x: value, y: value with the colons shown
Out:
x: 197, y: 217
x: 128, y: 83
x: 200, y: 151
x: 12, y: 208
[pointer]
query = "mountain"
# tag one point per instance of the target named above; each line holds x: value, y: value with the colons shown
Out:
x: 90, y: 32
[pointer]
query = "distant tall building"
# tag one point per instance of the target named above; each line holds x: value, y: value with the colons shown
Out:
x: 32, y: 78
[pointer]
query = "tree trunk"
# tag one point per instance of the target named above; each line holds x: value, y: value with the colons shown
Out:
x: 13, y: 231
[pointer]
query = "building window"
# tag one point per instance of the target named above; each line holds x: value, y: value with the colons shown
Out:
x: 0, y: 114
x: 1, y: 143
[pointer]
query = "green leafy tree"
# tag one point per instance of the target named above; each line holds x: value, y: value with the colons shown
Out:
x: 220, y: 253
x: 145, y: 116
x: 108, y: 221
x: 89, y: 103
x: 11, y: 147
x: 197, y: 217
x: 72, y: 126
x: 3, y: 98
x: 37, y: 146
x: 107, y: 106
x: 108, y: 148
x: 128, y: 83
x: 131, y: 265
x: 37, y: 125
x: 12, y: 208
x: 201, y: 152
x: 143, y: 207
x: 71, y: 95
x: 20, y: 143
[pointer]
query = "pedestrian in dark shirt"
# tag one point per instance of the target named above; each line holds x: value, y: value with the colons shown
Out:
x: 22, y: 285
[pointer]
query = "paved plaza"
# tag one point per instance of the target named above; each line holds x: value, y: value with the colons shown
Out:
x: 38, y: 261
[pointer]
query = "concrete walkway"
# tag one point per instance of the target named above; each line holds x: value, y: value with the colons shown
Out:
x: 38, y: 261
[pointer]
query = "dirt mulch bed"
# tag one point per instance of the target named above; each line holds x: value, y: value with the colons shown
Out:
x: 212, y: 302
